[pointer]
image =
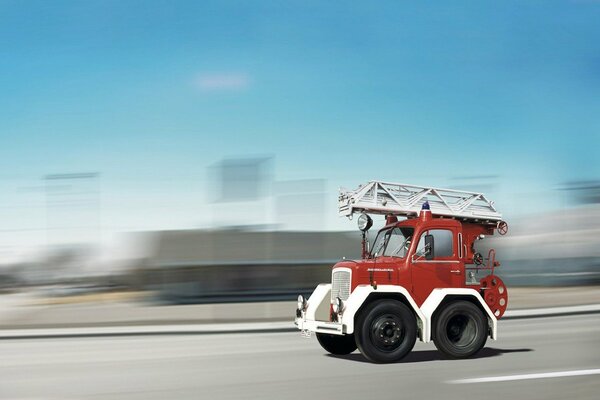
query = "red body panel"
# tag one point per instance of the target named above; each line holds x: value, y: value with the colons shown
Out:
x: 420, y: 276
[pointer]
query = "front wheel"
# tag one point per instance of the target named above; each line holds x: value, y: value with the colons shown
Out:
x: 461, y: 330
x: 386, y: 331
x: 337, y: 344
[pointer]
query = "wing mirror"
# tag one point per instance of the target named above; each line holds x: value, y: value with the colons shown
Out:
x: 429, y: 247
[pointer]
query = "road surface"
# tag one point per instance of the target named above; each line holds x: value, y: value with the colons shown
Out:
x: 542, y: 358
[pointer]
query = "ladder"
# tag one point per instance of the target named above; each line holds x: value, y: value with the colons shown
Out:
x: 406, y: 200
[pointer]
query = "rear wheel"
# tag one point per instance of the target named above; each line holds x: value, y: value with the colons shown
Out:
x: 337, y: 344
x: 461, y: 329
x: 386, y: 331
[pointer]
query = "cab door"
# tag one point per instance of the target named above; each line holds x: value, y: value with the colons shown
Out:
x: 435, y: 262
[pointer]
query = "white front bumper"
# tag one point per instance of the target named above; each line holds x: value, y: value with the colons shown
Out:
x: 316, y: 316
x: 333, y: 328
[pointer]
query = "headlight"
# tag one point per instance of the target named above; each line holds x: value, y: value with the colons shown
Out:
x: 337, y: 305
x: 301, y: 302
x: 364, y: 222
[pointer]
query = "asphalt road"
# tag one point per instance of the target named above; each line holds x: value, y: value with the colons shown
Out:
x: 286, y: 366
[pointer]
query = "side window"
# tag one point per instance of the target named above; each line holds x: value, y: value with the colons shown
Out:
x: 442, y: 243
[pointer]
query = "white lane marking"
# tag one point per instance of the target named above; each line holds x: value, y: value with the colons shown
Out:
x: 558, y: 374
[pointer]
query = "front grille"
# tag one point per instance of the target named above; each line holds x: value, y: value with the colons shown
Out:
x: 340, y: 284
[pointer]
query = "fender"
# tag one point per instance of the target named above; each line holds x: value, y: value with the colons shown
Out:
x: 360, y: 294
x: 437, y: 296
x: 318, y: 303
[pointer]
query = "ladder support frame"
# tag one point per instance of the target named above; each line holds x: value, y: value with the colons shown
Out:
x: 386, y: 198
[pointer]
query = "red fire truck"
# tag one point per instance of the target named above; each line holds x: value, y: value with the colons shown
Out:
x: 421, y: 278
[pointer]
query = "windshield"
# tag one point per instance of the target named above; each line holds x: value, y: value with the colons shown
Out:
x: 392, y: 242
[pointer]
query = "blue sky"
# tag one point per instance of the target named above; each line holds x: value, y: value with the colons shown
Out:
x: 151, y: 93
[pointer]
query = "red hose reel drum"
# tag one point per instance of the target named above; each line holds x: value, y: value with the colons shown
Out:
x: 495, y: 294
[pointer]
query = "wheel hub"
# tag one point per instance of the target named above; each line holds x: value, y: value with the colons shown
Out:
x: 461, y: 330
x: 387, y: 332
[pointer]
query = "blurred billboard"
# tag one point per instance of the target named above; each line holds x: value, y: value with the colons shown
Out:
x: 242, y: 179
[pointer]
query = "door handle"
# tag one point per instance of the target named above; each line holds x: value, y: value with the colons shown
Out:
x: 455, y: 271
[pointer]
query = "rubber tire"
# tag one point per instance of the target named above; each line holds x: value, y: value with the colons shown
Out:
x: 370, y: 315
x: 336, y: 344
x: 473, y: 314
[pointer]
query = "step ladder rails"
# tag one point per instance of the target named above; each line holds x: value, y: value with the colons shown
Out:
x: 406, y: 200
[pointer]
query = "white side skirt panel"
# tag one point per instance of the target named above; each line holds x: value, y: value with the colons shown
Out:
x: 436, y: 297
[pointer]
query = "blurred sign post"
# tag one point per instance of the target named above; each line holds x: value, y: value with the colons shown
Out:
x: 72, y: 211
x: 72, y: 207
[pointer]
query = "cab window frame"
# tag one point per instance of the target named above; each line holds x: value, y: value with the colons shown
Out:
x: 451, y: 257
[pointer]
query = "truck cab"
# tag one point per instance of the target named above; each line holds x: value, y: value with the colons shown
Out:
x: 420, y: 254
